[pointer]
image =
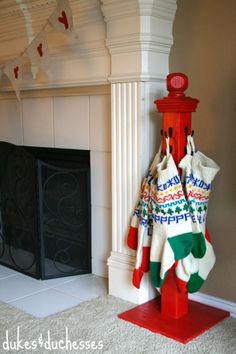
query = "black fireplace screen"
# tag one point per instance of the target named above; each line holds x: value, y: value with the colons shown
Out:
x: 45, y: 212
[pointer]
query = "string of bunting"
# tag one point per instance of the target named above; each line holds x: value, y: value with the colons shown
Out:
x: 37, y: 51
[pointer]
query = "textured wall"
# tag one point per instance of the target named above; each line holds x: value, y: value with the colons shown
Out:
x: 204, y: 49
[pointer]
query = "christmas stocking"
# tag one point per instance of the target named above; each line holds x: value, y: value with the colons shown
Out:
x: 140, y: 232
x: 132, y: 238
x: 198, y: 171
x: 192, y: 272
x: 172, y: 237
x: 200, y: 272
x: 199, y: 244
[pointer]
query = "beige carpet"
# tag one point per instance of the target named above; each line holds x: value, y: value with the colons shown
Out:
x: 96, y: 320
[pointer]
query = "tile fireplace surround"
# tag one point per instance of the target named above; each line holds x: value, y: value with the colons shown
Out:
x: 99, y: 97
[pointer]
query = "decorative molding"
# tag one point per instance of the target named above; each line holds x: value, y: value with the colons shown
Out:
x: 139, y: 34
x: 126, y: 114
x: 60, y: 92
x: 120, y: 280
x: 116, y: 9
x: 136, y: 77
x: 162, y: 9
x: 215, y: 302
x: 135, y: 42
x: 121, y: 261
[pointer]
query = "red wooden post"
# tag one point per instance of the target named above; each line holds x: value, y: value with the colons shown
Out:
x: 172, y: 314
x: 176, y: 109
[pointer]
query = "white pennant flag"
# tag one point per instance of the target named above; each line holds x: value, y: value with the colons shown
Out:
x: 14, y: 72
x: 61, y: 18
x: 38, y: 52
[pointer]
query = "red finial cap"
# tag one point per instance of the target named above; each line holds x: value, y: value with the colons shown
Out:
x: 176, y: 101
x: 177, y: 83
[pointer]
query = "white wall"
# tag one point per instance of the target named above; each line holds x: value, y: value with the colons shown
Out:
x: 77, y: 122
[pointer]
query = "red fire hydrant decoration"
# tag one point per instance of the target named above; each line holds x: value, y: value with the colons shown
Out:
x: 176, y: 125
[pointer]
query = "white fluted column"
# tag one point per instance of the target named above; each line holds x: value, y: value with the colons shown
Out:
x: 126, y: 124
x: 127, y: 155
x: 139, y: 38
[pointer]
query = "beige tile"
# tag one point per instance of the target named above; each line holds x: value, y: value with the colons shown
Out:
x: 45, y: 303
x: 100, y: 123
x: 101, y: 179
x: 71, y: 122
x: 10, y: 122
x: 101, y: 233
x: 38, y: 121
x: 85, y: 288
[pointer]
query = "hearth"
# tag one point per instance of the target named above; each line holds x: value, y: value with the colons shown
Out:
x: 45, y: 211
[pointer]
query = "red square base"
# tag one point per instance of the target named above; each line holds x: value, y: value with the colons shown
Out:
x: 199, y: 319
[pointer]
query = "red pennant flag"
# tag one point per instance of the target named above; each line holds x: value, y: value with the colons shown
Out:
x: 38, y: 52
x: 14, y: 72
x: 61, y: 18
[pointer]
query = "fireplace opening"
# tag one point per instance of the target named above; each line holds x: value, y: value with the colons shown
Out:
x: 45, y: 210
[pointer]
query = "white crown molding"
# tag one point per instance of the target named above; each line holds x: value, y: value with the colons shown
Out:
x: 135, y: 42
x: 62, y: 83
x: 136, y: 76
x: 59, y: 92
x: 116, y: 9
x: 139, y: 34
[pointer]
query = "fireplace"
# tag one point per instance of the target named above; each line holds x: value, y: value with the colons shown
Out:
x: 45, y: 210
x: 99, y: 93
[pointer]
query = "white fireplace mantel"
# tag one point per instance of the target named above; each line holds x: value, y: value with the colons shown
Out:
x: 123, y: 43
x: 139, y: 38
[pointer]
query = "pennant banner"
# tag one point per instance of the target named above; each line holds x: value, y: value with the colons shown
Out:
x: 61, y: 18
x: 14, y: 72
x: 38, y: 52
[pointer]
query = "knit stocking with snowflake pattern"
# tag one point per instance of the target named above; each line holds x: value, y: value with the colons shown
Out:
x: 140, y: 231
x: 172, y: 237
x: 198, y: 171
x: 132, y: 237
x: 192, y: 272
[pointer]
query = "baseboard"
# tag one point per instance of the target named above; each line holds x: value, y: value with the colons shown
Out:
x: 120, y: 280
x: 215, y: 302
